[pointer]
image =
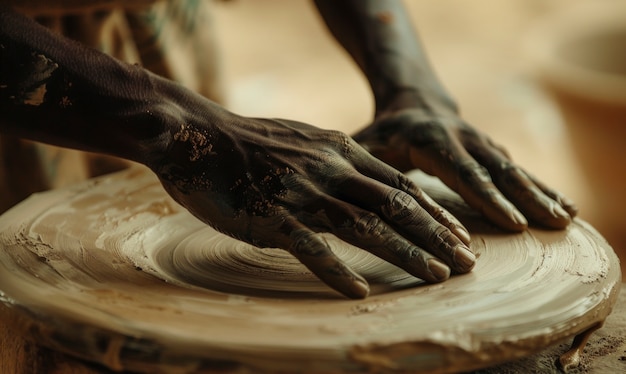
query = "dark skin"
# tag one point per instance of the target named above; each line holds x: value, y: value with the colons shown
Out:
x: 279, y: 183
x: 417, y: 124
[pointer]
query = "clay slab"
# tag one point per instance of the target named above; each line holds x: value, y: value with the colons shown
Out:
x: 114, y: 271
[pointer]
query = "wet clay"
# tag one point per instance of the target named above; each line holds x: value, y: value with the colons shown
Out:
x: 115, y: 272
x: 571, y: 358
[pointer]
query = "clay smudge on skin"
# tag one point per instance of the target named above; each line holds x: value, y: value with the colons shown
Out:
x: 571, y: 359
x: 199, y: 141
x: 36, y: 79
x: 32, y: 89
x: 36, y: 97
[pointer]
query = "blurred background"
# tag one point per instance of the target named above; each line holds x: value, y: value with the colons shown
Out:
x: 278, y: 60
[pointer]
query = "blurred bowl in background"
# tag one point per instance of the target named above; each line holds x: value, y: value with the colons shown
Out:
x: 579, y: 56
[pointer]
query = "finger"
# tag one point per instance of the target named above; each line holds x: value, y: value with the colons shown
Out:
x: 531, y: 200
x: 368, y: 231
x: 442, y: 215
x: 463, y: 174
x: 537, y: 202
x: 372, y: 167
x: 567, y: 204
x: 314, y: 253
x: 436, y: 152
x: 405, y: 215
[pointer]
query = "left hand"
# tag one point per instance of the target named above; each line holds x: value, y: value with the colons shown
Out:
x: 468, y: 162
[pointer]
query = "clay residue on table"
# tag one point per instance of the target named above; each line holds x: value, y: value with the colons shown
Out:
x: 113, y: 268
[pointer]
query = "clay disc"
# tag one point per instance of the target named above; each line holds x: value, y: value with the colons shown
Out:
x: 114, y: 271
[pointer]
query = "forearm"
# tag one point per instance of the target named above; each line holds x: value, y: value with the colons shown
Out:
x: 56, y: 91
x: 380, y: 38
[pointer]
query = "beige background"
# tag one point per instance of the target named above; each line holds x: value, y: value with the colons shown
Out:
x: 279, y: 61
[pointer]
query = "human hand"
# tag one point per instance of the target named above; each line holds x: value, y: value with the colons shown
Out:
x: 442, y: 144
x: 279, y: 183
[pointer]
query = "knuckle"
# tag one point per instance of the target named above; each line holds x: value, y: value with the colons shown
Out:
x: 473, y: 172
x: 469, y: 132
x: 411, y: 253
x: 307, y: 243
x: 491, y: 194
x: 441, y: 215
x: 399, y: 206
x: 512, y: 175
x: 343, y: 142
x: 509, y: 167
x: 369, y: 224
x: 471, y: 135
x: 333, y: 153
x: 430, y: 133
x: 499, y: 148
x: 472, y: 139
x: 407, y: 253
x: 439, y: 238
x: 328, y: 163
x: 405, y: 184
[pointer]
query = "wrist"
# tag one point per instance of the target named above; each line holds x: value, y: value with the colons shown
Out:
x: 431, y: 101
x: 191, y: 129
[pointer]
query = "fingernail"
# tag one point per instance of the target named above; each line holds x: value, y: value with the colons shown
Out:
x: 438, y: 269
x: 462, y: 234
x: 511, y: 211
x: 569, y: 206
x: 464, y: 258
x: 572, y: 209
x: 559, y: 212
x: 359, y: 289
x: 517, y: 217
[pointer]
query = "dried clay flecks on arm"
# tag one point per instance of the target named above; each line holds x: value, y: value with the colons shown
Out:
x: 30, y: 86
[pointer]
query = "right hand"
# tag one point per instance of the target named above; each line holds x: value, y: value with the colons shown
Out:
x: 470, y: 163
x: 279, y: 183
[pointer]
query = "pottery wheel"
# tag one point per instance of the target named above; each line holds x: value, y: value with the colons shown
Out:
x: 114, y: 271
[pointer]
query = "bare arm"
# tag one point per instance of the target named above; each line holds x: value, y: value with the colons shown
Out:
x: 382, y: 41
x: 417, y: 124
x: 57, y: 91
x: 269, y: 182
